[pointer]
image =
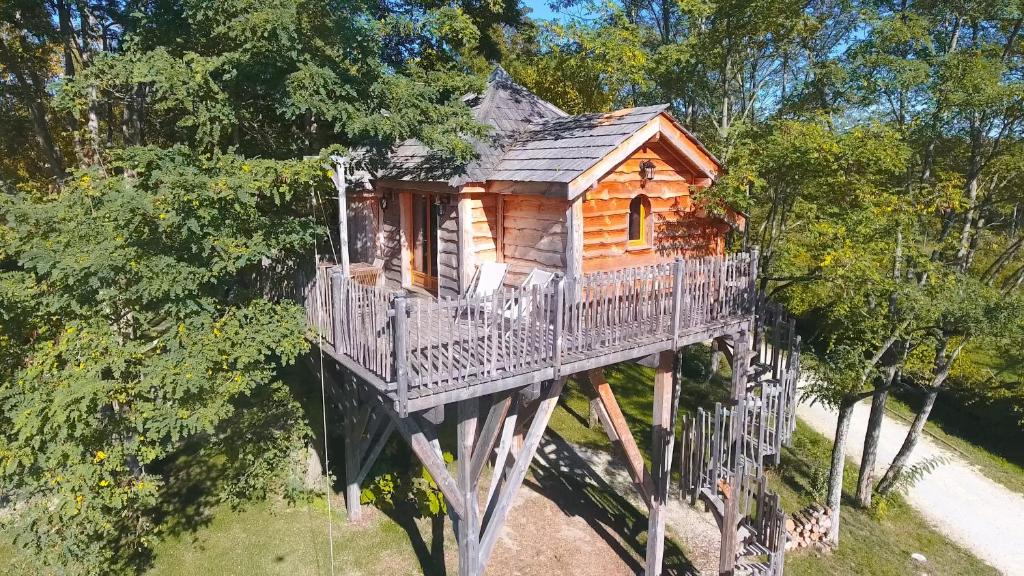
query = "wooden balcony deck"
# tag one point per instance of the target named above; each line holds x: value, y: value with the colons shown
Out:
x: 421, y: 352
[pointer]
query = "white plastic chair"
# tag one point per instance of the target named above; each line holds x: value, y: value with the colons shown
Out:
x: 536, y: 278
x: 487, y: 279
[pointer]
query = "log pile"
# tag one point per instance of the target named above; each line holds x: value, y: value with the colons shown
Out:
x: 808, y: 527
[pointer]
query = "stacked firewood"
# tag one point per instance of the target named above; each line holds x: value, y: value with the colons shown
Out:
x: 808, y: 527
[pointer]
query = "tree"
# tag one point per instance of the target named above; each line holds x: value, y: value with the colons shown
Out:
x: 141, y: 325
x: 825, y: 203
x: 140, y: 318
x: 945, y: 76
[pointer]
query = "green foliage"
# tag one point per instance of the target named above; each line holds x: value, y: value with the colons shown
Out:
x: 882, y: 505
x: 415, y: 488
x: 140, y: 324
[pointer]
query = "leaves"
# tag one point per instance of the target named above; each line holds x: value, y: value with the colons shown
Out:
x: 142, y: 326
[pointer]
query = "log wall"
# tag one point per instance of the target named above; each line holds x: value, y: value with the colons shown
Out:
x: 679, y: 227
x: 448, y: 249
x: 486, y: 223
x: 391, y: 238
x: 534, y: 234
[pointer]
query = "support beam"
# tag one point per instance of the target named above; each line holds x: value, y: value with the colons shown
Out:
x: 666, y: 403
x: 374, y: 450
x: 467, y: 252
x: 596, y: 414
x: 489, y: 433
x: 498, y: 509
x: 508, y: 429
x: 432, y: 460
x: 355, y: 422
x: 620, y: 434
x: 468, y: 525
x: 338, y: 177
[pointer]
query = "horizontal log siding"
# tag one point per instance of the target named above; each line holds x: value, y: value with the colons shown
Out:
x: 534, y: 234
x: 448, y: 249
x: 679, y: 229
x: 391, y: 238
x: 485, y: 227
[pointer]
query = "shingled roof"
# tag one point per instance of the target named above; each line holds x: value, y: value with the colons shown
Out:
x: 532, y: 140
x: 559, y: 149
x: 506, y: 106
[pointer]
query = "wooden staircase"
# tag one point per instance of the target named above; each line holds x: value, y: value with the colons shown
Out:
x: 725, y: 449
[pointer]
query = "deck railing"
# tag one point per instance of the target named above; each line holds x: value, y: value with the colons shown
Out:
x: 315, y: 293
x: 420, y: 346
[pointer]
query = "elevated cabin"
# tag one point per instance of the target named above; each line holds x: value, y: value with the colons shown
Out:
x: 569, y: 194
x: 604, y: 201
x: 604, y: 257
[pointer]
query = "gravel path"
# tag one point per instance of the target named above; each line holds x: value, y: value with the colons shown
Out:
x: 979, y: 514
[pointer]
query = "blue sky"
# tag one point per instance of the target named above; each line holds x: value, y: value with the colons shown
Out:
x: 540, y: 10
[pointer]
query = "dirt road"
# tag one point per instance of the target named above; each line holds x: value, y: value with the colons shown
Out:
x: 980, y: 514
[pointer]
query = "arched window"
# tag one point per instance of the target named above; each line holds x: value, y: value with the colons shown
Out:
x: 639, y: 221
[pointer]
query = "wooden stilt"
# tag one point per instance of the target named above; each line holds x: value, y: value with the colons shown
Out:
x: 662, y: 443
x: 468, y: 526
x: 620, y: 434
x: 355, y: 421
x: 497, y: 509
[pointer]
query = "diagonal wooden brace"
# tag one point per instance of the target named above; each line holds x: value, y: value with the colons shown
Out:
x: 432, y: 460
x: 621, y: 436
x: 499, y: 507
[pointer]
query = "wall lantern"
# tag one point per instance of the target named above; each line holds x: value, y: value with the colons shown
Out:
x: 384, y: 201
x: 647, y: 170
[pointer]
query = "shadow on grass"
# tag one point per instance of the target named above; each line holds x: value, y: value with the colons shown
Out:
x: 430, y: 556
x: 229, y: 467
x: 569, y: 481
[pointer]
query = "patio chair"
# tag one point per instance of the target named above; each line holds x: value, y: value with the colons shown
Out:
x: 536, y: 278
x: 487, y: 280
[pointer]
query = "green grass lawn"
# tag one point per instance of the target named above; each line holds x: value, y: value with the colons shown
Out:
x: 277, y: 538
x: 289, y: 540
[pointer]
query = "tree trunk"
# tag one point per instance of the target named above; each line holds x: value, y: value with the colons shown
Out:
x: 866, y: 475
x: 899, y: 464
x: 835, y: 475
x: 30, y: 90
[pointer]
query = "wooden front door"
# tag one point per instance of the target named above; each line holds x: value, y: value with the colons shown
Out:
x: 423, y: 241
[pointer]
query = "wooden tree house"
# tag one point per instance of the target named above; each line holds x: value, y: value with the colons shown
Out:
x: 605, y: 202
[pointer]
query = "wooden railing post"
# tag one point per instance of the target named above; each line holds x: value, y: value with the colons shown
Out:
x: 336, y: 279
x: 401, y: 341
x: 723, y: 267
x: 677, y: 300
x: 556, y: 354
x: 753, y: 279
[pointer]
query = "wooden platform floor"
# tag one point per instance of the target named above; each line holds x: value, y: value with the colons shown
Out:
x: 458, y: 357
